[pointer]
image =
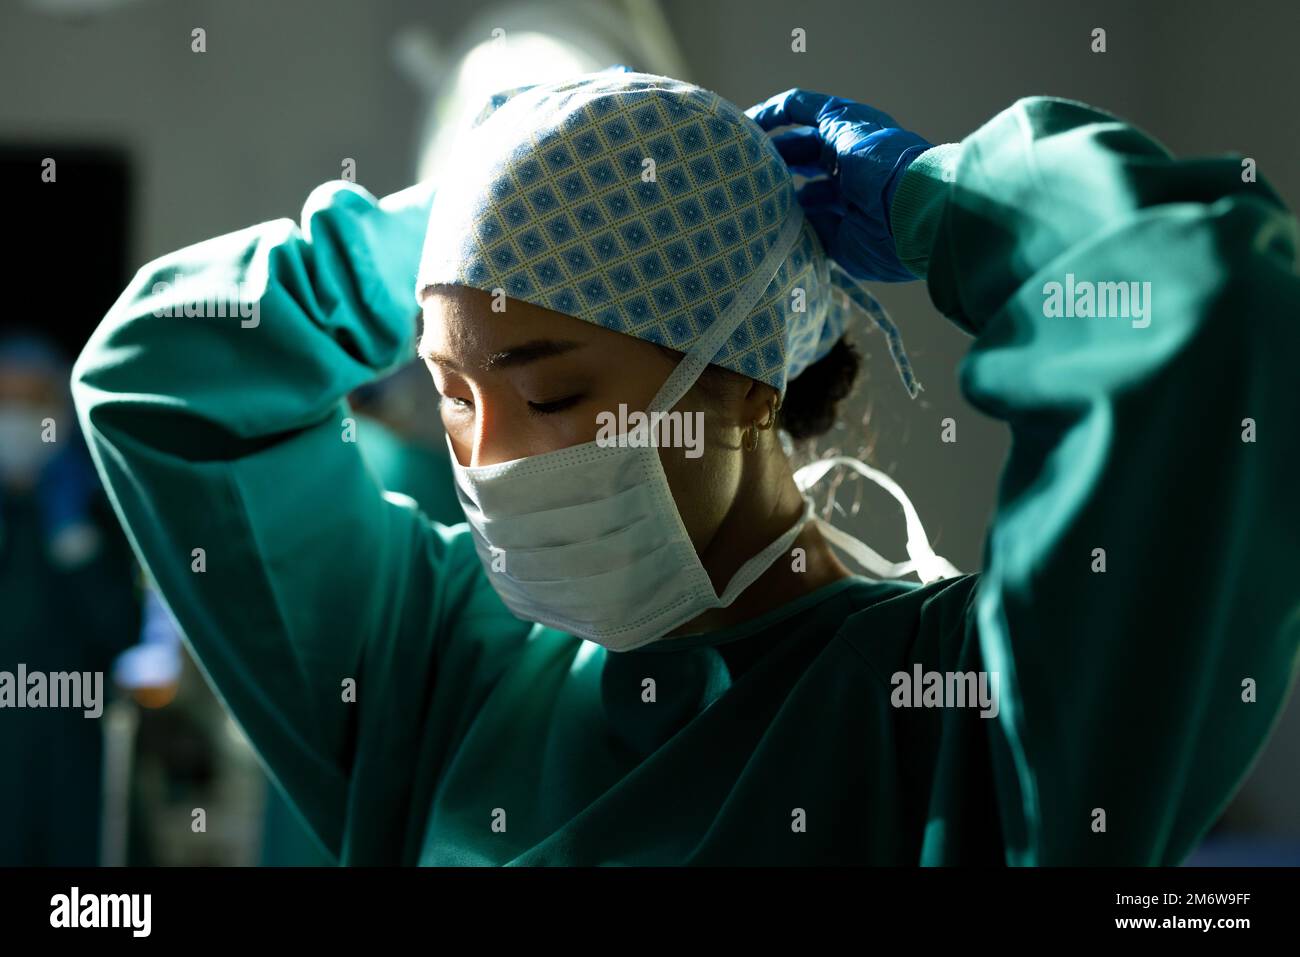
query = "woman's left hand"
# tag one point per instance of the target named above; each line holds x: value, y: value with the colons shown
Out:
x: 858, y: 155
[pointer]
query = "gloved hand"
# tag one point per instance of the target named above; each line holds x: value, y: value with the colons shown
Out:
x: 860, y: 155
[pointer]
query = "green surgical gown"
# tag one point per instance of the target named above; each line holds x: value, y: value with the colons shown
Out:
x: 476, y: 738
x: 399, y: 466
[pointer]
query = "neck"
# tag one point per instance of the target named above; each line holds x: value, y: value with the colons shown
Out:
x: 771, y: 505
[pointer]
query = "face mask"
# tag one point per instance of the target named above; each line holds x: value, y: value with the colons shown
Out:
x: 22, y: 453
x: 588, y: 539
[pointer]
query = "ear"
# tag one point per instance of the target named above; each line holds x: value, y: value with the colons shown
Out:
x: 759, y: 404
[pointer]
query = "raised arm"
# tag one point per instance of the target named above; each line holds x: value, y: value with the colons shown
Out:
x: 212, y: 396
x: 1140, y: 597
x: 1137, y: 325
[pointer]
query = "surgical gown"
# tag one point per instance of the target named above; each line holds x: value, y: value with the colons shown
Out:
x: 477, y: 738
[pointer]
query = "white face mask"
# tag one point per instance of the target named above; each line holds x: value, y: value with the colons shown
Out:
x: 588, y: 539
x: 23, y: 453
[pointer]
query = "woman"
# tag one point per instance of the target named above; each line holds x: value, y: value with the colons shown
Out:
x: 646, y: 656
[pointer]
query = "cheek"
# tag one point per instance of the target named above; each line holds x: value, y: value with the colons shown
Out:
x: 704, y: 488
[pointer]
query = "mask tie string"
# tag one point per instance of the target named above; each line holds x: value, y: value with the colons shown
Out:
x: 922, y: 560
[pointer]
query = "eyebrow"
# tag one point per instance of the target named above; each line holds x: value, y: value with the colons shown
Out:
x: 515, y: 356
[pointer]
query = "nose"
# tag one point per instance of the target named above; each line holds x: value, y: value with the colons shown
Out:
x: 482, y: 450
x: 497, y: 437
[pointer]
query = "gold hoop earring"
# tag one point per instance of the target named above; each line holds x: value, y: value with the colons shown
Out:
x: 772, y: 409
x: 749, y: 438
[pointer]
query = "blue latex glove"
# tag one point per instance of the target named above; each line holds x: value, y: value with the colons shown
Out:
x: 860, y: 155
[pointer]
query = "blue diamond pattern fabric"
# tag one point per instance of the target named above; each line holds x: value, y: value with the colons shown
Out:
x: 639, y: 203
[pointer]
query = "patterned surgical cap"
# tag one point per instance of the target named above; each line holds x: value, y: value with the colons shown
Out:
x: 638, y: 203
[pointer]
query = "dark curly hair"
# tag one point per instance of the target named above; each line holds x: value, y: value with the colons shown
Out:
x: 812, y: 399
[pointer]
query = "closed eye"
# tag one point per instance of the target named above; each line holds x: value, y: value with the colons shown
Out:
x: 558, y: 405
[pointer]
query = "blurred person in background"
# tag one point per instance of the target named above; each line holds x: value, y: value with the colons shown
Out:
x: 395, y: 438
x: 69, y: 601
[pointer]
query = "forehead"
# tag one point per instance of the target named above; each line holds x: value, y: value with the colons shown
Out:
x: 461, y: 319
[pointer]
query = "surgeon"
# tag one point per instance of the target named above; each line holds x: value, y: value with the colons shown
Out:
x: 631, y: 655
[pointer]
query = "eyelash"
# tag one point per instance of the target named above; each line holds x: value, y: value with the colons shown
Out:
x: 550, y: 408
x: 534, y: 408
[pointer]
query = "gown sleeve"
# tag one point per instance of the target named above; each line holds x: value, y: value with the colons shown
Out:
x: 213, y: 398
x: 1140, y: 599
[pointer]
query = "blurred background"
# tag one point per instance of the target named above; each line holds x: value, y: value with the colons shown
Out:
x: 160, y: 144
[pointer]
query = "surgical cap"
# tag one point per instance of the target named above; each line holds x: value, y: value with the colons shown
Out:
x: 641, y: 204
